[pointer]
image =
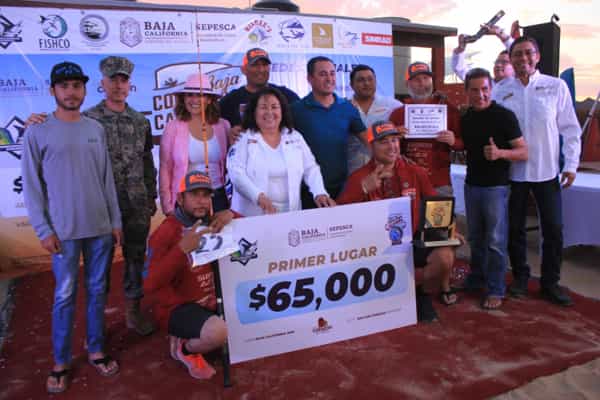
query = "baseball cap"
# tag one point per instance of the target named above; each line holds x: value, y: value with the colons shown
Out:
x: 381, y: 129
x: 255, y: 54
x: 114, y: 65
x: 417, y: 68
x: 195, y: 180
x: 66, y: 71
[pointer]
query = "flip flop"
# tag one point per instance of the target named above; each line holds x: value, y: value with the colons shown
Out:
x: 485, y: 303
x: 104, y: 362
x: 445, y: 298
x: 58, y: 376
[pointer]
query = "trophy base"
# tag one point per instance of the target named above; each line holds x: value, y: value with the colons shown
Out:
x: 437, y: 243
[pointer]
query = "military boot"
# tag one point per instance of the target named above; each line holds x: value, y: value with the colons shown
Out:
x: 136, y: 320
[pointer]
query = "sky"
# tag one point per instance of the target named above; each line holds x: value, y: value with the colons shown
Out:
x: 579, y: 23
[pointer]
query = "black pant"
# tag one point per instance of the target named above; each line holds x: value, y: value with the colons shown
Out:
x: 547, y: 196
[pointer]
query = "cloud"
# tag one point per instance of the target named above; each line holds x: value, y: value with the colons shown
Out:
x: 579, y: 31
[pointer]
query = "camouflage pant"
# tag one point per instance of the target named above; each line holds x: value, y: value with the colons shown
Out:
x: 136, y: 227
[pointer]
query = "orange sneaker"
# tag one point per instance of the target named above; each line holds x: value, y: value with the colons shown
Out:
x: 195, y: 363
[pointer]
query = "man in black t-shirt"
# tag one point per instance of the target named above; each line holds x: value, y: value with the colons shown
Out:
x: 256, y: 66
x: 493, y: 140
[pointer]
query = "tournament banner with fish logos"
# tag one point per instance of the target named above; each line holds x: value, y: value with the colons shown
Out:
x: 166, y: 47
x: 318, y: 276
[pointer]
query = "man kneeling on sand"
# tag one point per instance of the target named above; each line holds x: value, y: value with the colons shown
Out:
x: 185, y: 296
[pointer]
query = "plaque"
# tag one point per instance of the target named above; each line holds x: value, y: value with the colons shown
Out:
x: 436, y: 226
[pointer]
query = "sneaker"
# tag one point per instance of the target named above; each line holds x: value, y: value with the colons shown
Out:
x: 555, y: 294
x: 518, y: 288
x: 425, y: 311
x: 195, y: 363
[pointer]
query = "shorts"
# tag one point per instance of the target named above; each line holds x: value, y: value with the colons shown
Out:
x: 186, y: 320
x: 420, y: 255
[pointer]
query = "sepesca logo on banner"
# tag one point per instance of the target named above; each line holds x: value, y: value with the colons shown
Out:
x: 9, y: 32
x: 215, y: 32
x: 54, y: 27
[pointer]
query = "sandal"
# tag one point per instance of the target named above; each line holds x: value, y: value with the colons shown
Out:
x: 102, y: 365
x: 59, y: 377
x: 491, y: 302
x: 448, y: 297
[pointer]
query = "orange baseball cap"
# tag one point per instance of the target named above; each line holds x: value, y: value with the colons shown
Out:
x: 195, y: 180
x: 381, y: 129
x: 255, y: 54
x: 417, y: 68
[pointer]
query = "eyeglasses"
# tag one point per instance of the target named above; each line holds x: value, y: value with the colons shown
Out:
x: 526, y: 53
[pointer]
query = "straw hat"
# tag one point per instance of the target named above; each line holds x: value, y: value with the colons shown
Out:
x: 193, y: 85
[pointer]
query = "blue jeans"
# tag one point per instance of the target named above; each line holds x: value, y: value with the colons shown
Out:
x: 548, y: 199
x: 97, y: 256
x: 487, y: 218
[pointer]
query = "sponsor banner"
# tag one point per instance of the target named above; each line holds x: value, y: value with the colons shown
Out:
x: 32, y: 40
x: 317, y: 277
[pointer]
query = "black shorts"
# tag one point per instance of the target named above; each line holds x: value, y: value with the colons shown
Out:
x: 186, y: 320
x: 420, y: 255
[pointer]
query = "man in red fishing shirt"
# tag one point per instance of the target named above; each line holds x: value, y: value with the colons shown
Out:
x: 185, y: 296
x: 387, y: 176
x: 431, y: 154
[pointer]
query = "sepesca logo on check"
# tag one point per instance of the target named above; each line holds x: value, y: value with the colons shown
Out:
x: 299, y: 293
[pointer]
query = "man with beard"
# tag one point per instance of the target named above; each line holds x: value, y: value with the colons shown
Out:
x: 371, y: 107
x: 256, y: 65
x: 129, y: 141
x: 431, y: 154
x: 545, y: 112
x: 72, y: 204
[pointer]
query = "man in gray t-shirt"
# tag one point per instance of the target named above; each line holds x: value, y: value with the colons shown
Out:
x: 72, y: 204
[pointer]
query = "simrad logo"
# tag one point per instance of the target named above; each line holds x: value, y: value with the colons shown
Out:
x: 55, y: 28
x: 9, y: 32
x: 377, y: 39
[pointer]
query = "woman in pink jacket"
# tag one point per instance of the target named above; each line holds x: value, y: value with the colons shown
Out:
x: 183, y: 144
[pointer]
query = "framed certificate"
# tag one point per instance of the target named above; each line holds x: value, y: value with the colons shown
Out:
x: 425, y: 120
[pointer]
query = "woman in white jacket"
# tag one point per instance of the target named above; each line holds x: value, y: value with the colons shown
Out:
x: 271, y: 159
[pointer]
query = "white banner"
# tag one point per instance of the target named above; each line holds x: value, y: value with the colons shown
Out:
x: 318, y: 276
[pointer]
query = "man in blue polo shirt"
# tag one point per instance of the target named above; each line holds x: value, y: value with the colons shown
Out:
x: 326, y: 121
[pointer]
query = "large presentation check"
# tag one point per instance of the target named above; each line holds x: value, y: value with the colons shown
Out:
x: 314, y: 277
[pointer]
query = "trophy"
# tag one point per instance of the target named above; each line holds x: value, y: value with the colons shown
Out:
x: 482, y: 31
x: 437, y: 225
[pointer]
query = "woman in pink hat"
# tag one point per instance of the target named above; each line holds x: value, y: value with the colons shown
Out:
x: 186, y: 142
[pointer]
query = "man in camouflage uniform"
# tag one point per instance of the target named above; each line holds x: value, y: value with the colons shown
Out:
x: 129, y: 140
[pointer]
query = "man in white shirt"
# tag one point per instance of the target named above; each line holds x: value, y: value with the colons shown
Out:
x: 371, y: 107
x: 544, y: 109
x: 502, y: 65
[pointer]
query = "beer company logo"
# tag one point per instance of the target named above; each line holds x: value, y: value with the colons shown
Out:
x: 376, y: 39
x: 294, y: 238
x: 130, y: 32
x: 322, y: 36
x: 55, y: 28
x: 94, y: 28
x: 291, y: 30
x: 259, y: 31
x: 248, y: 251
x: 165, y: 32
x: 9, y: 32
